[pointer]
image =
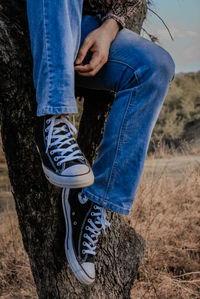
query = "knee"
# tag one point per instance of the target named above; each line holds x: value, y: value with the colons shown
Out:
x: 162, y: 64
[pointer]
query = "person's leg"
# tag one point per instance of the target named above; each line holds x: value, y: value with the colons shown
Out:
x: 55, y: 32
x: 140, y: 72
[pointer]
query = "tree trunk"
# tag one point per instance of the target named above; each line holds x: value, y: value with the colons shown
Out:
x: 38, y: 203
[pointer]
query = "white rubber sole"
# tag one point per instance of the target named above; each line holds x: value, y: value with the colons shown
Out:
x: 78, y: 181
x: 69, y: 251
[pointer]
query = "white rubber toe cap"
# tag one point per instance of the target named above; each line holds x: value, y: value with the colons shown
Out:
x: 89, y: 269
x: 76, y: 170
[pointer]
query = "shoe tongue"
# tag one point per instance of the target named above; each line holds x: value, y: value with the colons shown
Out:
x: 64, y: 130
x: 62, y: 126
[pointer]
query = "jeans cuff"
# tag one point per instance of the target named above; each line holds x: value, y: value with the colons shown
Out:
x: 57, y: 110
x: 106, y: 204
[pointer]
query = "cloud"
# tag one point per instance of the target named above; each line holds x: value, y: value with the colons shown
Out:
x: 183, y: 21
x: 176, y: 32
x: 185, y: 49
x: 191, y: 53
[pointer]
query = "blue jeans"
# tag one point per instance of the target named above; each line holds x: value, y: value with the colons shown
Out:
x: 138, y: 70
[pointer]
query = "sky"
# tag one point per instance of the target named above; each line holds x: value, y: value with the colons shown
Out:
x: 183, y: 19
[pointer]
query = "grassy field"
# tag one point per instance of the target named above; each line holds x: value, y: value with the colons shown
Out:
x: 166, y: 213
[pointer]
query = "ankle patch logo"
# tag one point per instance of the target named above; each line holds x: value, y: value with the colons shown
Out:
x: 82, y: 198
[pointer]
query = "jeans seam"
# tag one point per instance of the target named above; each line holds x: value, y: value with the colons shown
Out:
x: 46, y: 47
x: 121, y: 62
x: 118, y: 146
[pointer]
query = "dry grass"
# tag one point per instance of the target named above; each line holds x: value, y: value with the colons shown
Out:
x: 162, y: 150
x: 16, y: 280
x: 166, y: 213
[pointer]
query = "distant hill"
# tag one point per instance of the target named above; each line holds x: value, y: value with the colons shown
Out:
x: 180, y: 115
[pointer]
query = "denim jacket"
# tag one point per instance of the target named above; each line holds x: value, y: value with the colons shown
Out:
x: 120, y: 10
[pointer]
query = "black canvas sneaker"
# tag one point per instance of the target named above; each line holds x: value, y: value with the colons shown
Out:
x: 84, y: 222
x: 62, y: 160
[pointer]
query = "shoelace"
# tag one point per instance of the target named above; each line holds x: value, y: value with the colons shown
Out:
x: 59, y: 140
x: 102, y: 222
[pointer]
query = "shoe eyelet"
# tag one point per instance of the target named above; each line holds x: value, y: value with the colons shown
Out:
x: 51, y: 152
x: 73, y: 213
x: 89, y: 220
x: 55, y: 158
x: 85, y: 235
x: 47, y: 122
x: 84, y: 243
x: 74, y: 223
x: 58, y: 164
x: 95, y: 207
x: 87, y: 227
x: 92, y: 214
x: 83, y: 251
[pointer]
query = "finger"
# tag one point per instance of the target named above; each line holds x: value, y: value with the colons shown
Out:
x: 87, y: 67
x: 83, y: 68
x: 93, y: 72
x: 83, y: 50
x: 92, y: 65
x: 95, y: 60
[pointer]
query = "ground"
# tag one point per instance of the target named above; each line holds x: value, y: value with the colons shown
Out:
x: 166, y: 213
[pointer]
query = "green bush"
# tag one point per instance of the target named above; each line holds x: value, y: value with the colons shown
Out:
x: 181, y: 107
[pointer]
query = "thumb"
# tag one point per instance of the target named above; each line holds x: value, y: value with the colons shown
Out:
x: 83, y: 51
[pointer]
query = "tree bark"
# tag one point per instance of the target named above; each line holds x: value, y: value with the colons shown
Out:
x: 38, y: 203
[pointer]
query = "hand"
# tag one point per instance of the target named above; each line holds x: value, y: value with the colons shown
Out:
x: 98, y: 42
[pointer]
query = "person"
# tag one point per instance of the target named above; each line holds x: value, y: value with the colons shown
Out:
x: 86, y: 44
